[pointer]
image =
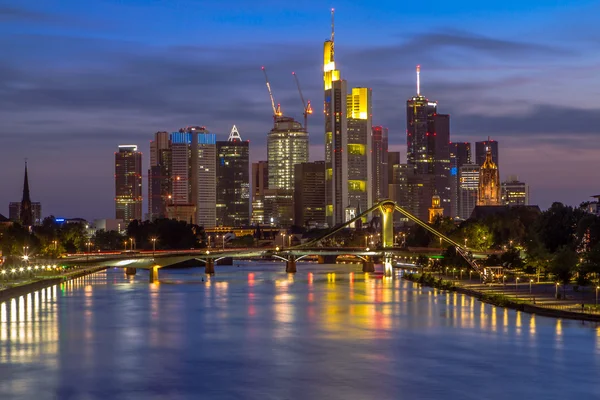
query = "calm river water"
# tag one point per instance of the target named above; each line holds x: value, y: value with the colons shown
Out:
x: 255, y: 332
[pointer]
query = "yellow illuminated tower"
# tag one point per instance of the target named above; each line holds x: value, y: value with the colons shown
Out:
x: 336, y: 141
x: 359, y: 131
x: 436, y: 209
x: 489, y: 182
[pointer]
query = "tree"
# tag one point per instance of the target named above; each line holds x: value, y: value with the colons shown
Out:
x: 557, y: 226
x: 564, y: 266
x: 108, y: 240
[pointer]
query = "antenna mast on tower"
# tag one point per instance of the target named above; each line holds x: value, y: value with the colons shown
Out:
x: 418, y: 80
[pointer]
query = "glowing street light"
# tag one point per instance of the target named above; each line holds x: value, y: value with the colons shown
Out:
x: 597, y: 287
x: 516, y: 284
x: 530, y: 282
x: 153, y: 246
x: 556, y: 292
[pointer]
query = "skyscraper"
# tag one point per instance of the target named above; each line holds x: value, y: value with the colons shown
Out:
x: 287, y: 145
x: 380, y: 163
x: 233, y: 181
x: 25, y: 212
x: 128, y: 183
x: 309, y: 194
x: 159, y: 176
x: 515, y: 192
x: 336, y: 140
x: 468, y: 188
x: 428, y: 135
x: 359, y: 153
x: 193, y: 176
x: 481, y: 149
x: 460, y: 154
x: 489, y: 182
x: 260, y: 183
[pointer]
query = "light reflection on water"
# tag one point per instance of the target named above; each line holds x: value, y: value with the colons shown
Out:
x: 257, y: 332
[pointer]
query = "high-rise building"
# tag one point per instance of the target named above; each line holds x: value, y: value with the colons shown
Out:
x: 481, y: 149
x: 206, y: 196
x: 309, y: 194
x: 380, y: 167
x: 233, y: 181
x: 159, y: 176
x: 336, y: 140
x: 428, y: 135
x: 515, y: 192
x: 287, y: 145
x: 460, y: 154
x: 128, y: 183
x: 14, y: 212
x: 360, y: 156
x: 260, y: 183
x: 468, y: 176
x: 489, y: 183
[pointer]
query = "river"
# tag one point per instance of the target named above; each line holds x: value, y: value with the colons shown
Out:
x: 255, y: 332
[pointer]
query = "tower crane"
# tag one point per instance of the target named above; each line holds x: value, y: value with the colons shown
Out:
x: 307, y: 108
x: 276, y: 110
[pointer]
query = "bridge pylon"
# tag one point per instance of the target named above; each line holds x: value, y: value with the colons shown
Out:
x: 209, y: 266
x: 153, y: 274
x: 387, y: 208
x: 290, y: 265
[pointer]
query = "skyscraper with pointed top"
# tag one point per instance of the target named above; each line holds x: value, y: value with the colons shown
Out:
x: 233, y: 181
x: 428, y: 153
x: 26, y: 212
x: 336, y: 140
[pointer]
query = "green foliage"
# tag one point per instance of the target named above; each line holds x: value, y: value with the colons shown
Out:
x: 564, y: 265
x: 242, y: 241
x: 111, y: 240
x: 169, y: 233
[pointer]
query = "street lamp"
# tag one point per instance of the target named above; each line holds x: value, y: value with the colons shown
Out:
x: 530, y: 282
x: 465, y: 242
x: 131, y: 240
x: 153, y: 246
x: 597, y: 294
x: 516, y: 284
x: 461, y: 271
x: 556, y: 292
x: 209, y: 241
x: 125, y: 245
x: 223, y: 242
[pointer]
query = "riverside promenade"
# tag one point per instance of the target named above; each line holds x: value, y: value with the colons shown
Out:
x: 525, y: 294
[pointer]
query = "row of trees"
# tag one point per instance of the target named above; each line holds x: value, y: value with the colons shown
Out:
x: 563, y: 241
x: 51, y: 239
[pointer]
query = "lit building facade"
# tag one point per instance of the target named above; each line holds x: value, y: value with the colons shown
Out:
x: 489, y: 183
x: 359, y: 153
x: 436, y: 210
x: 233, y: 181
x: 309, y: 194
x: 428, y: 153
x: 159, y: 176
x: 336, y: 140
x: 515, y: 192
x: 128, y: 183
x: 287, y: 145
x: 379, y: 169
x: 468, y: 189
x: 460, y: 154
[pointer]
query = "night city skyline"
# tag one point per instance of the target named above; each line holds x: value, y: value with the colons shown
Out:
x: 78, y: 80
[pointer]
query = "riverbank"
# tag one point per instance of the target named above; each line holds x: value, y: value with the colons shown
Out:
x: 490, y: 296
x: 44, y: 282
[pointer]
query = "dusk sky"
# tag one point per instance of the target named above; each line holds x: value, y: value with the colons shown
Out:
x: 78, y: 78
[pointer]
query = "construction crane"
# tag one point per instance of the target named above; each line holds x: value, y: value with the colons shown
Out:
x: 307, y: 108
x: 276, y: 110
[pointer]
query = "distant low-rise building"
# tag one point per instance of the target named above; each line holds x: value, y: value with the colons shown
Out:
x: 14, y: 212
x: 514, y: 192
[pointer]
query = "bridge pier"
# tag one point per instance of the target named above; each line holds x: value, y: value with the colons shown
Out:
x: 326, y: 259
x: 209, y: 266
x: 388, y: 267
x: 290, y: 265
x: 130, y: 271
x: 368, y: 265
x: 153, y: 274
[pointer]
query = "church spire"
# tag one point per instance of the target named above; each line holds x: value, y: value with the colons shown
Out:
x: 26, y: 214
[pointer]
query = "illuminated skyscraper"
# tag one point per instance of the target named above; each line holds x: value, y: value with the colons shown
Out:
x: 468, y: 176
x: 159, y: 176
x: 460, y: 154
x: 428, y: 135
x: 360, y: 164
x: 287, y: 145
x: 489, y: 182
x: 128, y: 183
x: 336, y: 140
x: 380, y: 163
x: 481, y: 149
x: 233, y: 181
